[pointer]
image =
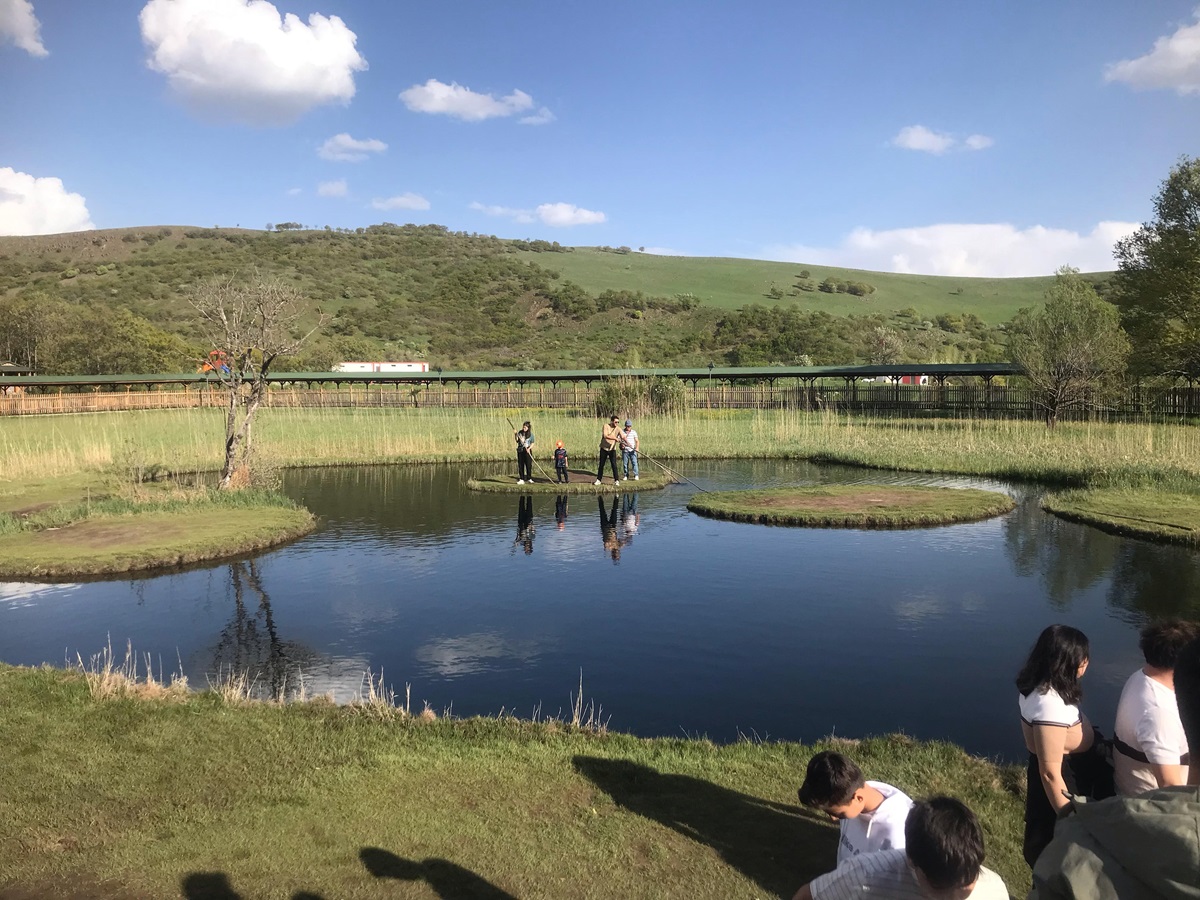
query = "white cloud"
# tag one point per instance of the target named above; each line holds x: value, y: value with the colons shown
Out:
x: 343, y: 148
x: 542, y: 117
x: 332, y: 188
x: 556, y: 215
x: 995, y: 250
x: 460, y: 102
x: 523, y: 216
x: 292, y: 192
x: 19, y: 25
x: 1174, y: 62
x: 401, y: 201
x: 918, y: 137
x: 240, y: 60
x: 31, y: 205
x: 562, y: 215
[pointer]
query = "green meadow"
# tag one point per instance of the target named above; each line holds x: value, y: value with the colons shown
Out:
x: 157, y: 792
x: 731, y: 283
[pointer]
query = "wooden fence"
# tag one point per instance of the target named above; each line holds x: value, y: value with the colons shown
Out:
x: 978, y: 400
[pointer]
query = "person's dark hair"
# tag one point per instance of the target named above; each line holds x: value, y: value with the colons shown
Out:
x: 527, y: 424
x: 1054, y: 663
x: 943, y: 839
x: 1162, y: 641
x: 831, y: 780
x: 1187, y: 691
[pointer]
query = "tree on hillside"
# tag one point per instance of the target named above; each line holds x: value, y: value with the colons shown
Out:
x: 1157, y: 284
x: 248, y: 326
x: 1073, y: 349
x: 885, y: 346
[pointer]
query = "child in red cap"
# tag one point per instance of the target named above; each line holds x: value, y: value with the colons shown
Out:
x: 561, y: 476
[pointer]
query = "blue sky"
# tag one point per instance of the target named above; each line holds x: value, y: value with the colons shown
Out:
x: 935, y: 137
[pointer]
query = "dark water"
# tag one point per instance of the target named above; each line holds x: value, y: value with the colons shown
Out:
x: 693, y: 626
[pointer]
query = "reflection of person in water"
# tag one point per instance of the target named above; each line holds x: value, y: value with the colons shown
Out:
x: 608, y: 528
x: 560, y: 511
x: 629, y: 516
x: 525, y: 526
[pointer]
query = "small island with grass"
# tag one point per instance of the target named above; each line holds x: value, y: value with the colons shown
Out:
x: 853, y: 506
x: 579, y: 483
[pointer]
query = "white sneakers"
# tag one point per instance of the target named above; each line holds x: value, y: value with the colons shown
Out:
x: 597, y: 481
x: 618, y: 481
x: 635, y: 478
x: 520, y: 481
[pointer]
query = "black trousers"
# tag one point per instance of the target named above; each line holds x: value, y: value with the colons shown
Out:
x: 611, y: 457
x: 524, y: 465
x: 1085, y: 774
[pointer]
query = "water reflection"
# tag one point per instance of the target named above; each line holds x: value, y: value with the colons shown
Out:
x: 561, y: 503
x: 469, y: 654
x: 1068, y: 558
x: 249, y: 644
x: 525, y: 527
x: 1151, y: 581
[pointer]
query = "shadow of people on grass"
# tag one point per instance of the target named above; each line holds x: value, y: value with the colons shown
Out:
x: 216, y: 886
x: 447, y: 878
x: 777, y: 845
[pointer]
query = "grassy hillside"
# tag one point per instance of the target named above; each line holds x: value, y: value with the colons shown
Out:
x: 733, y: 283
x: 113, y: 301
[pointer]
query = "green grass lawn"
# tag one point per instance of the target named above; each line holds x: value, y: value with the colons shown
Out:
x: 133, y: 798
x: 1144, y: 512
x: 731, y: 283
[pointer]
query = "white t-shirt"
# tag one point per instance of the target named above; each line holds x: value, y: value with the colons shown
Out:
x: 881, y: 829
x: 885, y: 876
x: 629, y: 439
x: 1147, y: 720
x: 1048, y: 708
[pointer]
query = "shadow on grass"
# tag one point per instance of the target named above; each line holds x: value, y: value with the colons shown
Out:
x: 776, y: 845
x: 446, y: 878
x: 216, y: 886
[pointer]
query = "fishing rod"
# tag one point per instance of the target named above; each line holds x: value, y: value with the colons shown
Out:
x: 528, y: 453
x: 673, y: 473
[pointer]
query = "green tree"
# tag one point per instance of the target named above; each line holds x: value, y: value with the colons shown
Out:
x: 1073, y: 349
x: 1157, y: 285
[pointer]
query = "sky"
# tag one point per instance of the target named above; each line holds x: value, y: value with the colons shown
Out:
x: 930, y: 136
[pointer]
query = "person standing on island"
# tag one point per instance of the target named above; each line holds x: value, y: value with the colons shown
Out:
x: 629, y: 450
x: 610, y: 439
x: 524, y: 438
x: 561, y: 474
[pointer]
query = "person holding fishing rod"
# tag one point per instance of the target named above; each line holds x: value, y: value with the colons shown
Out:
x: 524, y: 436
x: 610, y: 439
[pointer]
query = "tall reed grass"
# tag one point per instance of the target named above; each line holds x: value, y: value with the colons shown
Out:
x: 1075, y: 453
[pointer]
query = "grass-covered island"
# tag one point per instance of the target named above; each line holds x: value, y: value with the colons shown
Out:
x: 853, y: 506
x: 159, y: 792
x: 1151, y: 513
x: 580, y: 483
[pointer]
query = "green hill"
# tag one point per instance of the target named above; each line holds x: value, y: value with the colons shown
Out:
x: 733, y: 283
x: 113, y: 301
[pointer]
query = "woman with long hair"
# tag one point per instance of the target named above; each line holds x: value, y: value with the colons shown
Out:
x: 1060, y: 740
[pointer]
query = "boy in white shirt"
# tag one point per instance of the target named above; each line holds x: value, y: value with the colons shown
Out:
x: 872, y: 814
x: 1150, y: 749
x: 942, y: 860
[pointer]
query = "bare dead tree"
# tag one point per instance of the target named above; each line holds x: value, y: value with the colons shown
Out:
x: 248, y: 325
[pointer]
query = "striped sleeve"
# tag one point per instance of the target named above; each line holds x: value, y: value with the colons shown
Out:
x: 878, y: 875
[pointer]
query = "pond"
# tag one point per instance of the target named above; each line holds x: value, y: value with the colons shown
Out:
x: 680, y: 625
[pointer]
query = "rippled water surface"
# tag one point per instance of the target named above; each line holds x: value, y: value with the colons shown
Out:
x: 680, y: 625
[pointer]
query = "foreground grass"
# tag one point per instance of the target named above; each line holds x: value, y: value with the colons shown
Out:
x: 147, y: 798
x: 853, y: 506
